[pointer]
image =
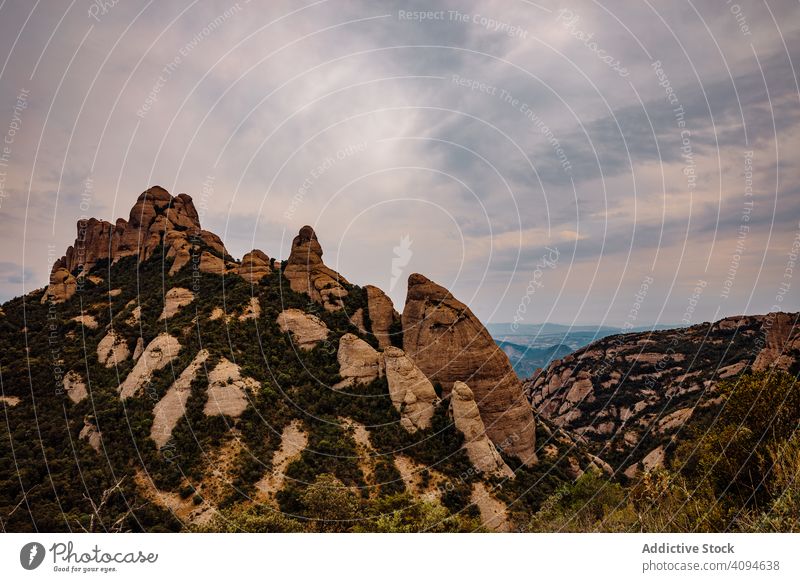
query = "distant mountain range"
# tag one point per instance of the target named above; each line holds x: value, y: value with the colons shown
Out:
x: 532, y: 346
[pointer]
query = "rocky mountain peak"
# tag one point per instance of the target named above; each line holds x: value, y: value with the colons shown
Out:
x: 156, y: 218
x: 449, y: 344
x: 308, y: 274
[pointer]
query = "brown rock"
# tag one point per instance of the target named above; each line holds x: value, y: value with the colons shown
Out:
x: 228, y: 390
x: 306, y: 329
x: 90, y: 434
x: 62, y: 286
x: 74, y: 386
x: 449, y: 344
x: 782, y: 337
x: 307, y: 273
x: 255, y: 266
x: 211, y: 264
x: 382, y: 315
x: 359, y: 363
x: 169, y: 410
x: 411, y: 392
x: 480, y: 450
x: 174, y: 300
x: 158, y: 353
x: 112, y: 349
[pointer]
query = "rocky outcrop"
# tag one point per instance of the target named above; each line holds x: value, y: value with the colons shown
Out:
x: 382, y: 315
x: 781, y: 342
x: 112, y: 349
x: 228, y: 390
x: 139, y: 349
x: 411, y: 392
x: 157, y: 218
x: 91, y: 434
x: 74, y: 386
x: 359, y: 363
x: 210, y: 263
x: 252, y: 311
x: 480, y: 449
x: 158, y: 353
x: 307, y: 330
x: 254, y: 267
x: 307, y: 273
x: 169, y: 410
x: 620, y: 389
x: 62, y: 286
x: 449, y: 344
x: 174, y: 300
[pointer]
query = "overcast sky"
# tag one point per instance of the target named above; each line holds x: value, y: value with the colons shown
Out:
x: 571, y: 162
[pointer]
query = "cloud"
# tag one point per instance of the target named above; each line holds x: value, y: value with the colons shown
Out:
x: 484, y: 136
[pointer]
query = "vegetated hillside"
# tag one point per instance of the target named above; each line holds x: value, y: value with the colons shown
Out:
x: 158, y: 384
x: 629, y: 397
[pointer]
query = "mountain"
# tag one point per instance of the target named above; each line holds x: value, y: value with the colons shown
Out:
x: 526, y: 360
x: 629, y: 397
x: 188, y: 389
x: 159, y: 384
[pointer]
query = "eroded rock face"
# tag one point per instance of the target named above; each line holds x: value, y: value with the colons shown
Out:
x: 74, y: 386
x: 308, y: 274
x: 227, y: 390
x: 91, y: 434
x: 174, y: 300
x: 359, y: 363
x: 62, y: 286
x: 169, y: 410
x: 781, y: 342
x: 449, y: 344
x: 382, y: 315
x: 252, y: 311
x: 657, y: 378
x: 255, y: 266
x: 480, y: 449
x: 112, y: 349
x: 411, y: 392
x: 155, y: 218
x: 307, y: 330
x: 158, y: 353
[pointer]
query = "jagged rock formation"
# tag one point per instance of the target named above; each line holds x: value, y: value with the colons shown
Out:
x: 174, y: 300
x: 158, y: 353
x: 112, y: 349
x: 62, y: 285
x: 411, y: 392
x: 308, y: 274
x: 359, y: 363
x: 254, y: 267
x: 227, y: 390
x: 155, y: 218
x: 467, y: 419
x: 623, y: 395
x: 306, y: 329
x: 74, y: 386
x: 382, y: 315
x: 449, y: 344
x: 169, y: 410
